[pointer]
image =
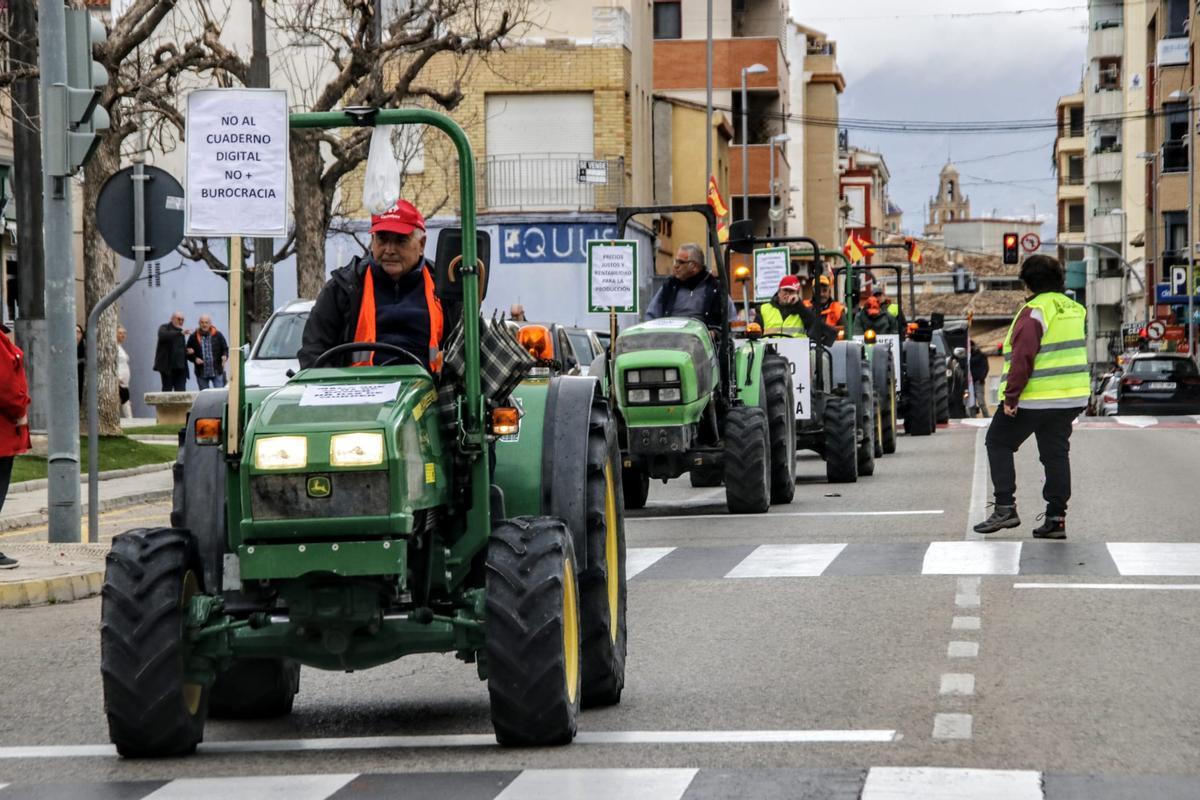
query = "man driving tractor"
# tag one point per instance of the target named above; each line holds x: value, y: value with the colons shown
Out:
x: 691, y: 291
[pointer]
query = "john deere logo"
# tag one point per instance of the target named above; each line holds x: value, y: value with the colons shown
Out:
x: 319, y: 486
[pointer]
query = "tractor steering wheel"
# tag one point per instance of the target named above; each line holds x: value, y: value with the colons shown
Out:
x: 375, y: 347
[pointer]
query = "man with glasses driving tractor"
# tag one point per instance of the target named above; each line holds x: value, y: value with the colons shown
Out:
x: 691, y: 291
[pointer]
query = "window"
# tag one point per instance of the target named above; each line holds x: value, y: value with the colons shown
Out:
x: 1163, y: 367
x: 1074, y: 175
x: 1076, y: 121
x: 1175, y: 154
x: 949, y: 189
x: 1177, y: 18
x: 951, y: 215
x: 1109, y: 75
x: 1075, y: 217
x: 667, y: 20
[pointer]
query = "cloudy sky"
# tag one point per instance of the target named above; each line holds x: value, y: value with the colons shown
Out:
x: 912, y: 60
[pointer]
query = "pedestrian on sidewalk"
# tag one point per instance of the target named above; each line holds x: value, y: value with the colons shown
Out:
x: 208, y: 351
x: 14, y: 422
x: 1044, y: 386
x: 170, y: 356
x: 123, y: 373
x: 979, y: 373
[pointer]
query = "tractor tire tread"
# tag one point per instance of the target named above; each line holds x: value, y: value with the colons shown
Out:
x: 841, y: 451
x: 747, y: 462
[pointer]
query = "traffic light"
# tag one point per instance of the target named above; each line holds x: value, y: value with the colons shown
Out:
x: 1012, y: 254
x: 73, y: 113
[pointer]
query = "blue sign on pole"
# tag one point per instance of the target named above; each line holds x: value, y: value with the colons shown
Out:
x: 1164, y: 294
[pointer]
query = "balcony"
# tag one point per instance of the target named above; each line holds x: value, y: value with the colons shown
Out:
x: 760, y: 170
x: 1106, y: 43
x: 1104, y: 167
x: 551, y: 182
x: 1108, y: 291
x: 1070, y: 140
x: 1104, y: 102
x: 679, y: 64
x: 1105, y: 226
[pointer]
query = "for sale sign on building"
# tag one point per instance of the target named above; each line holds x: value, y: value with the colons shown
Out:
x: 237, y: 162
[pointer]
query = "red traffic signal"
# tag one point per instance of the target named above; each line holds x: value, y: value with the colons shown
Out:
x: 1012, y: 244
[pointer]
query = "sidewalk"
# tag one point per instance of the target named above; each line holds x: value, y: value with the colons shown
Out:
x: 57, y: 572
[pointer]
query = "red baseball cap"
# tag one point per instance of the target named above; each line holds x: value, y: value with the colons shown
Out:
x: 789, y: 282
x: 402, y: 218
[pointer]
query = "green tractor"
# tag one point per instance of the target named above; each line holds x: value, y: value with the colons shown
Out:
x: 355, y: 515
x: 692, y: 400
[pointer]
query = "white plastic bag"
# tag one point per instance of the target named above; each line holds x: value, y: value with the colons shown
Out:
x: 381, y: 185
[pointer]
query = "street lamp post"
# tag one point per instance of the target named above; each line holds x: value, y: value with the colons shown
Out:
x: 775, y: 141
x: 753, y: 69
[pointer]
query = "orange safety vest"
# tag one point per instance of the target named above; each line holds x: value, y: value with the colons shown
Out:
x: 365, y: 329
x: 833, y: 312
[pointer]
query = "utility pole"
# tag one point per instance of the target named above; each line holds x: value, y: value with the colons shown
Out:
x: 264, y: 248
x: 62, y: 384
x: 27, y: 191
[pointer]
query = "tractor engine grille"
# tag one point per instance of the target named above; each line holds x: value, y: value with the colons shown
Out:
x: 353, y: 494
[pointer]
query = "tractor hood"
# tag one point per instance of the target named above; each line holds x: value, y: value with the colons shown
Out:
x: 665, y: 370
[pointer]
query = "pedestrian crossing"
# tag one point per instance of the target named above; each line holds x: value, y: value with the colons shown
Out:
x: 1127, y: 559
x: 874, y: 783
x: 1126, y: 422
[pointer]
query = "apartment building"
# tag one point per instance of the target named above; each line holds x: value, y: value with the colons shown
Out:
x: 812, y: 127
x: 864, y: 189
x: 1070, y: 195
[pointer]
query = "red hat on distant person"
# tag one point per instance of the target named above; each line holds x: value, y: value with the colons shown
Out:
x: 402, y: 218
x: 789, y: 282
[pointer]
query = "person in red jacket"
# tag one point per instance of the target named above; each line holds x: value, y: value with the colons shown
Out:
x: 14, y: 424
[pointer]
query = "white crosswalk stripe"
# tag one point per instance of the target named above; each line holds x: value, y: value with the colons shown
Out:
x: 255, y: 787
x: 931, y: 783
x: 599, y: 784
x: 639, y: 559
x: 972, y: 558
x: 1149, y: 558
x: 787, y: 561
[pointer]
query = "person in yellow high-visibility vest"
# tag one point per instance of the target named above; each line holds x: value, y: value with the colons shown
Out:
x: 785, y: 314
x: 1043, y: 387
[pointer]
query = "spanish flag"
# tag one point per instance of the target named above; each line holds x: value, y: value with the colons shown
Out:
x: 914, y: 251
x: 714, y: 198
x: 722, y: 231
x: 855, y: 247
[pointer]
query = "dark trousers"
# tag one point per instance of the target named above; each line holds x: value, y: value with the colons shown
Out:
x: 1052, y: 429
x: 6, y: 465
x: 174, y: 381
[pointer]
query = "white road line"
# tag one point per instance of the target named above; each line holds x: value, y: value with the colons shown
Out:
x: 936, y: 783
x: 972, y: 558
x: 1159, y: 587
x: 979, y: 483
x: 963, y: 650
x: 475, y: 740
x: 928, y: 512
x: 958, y: 683
x: 966, y: 600
x: 639, y: 559
x: 965, y: 624
x: 787, y: 561
x: 1136, y: 421
x: 1144, y: 558
x: 258, y: 787
x: 599, y: 784
x: 950, y: 726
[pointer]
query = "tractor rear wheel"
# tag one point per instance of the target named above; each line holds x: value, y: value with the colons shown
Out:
x: 781, y: 425
x: 153, y: 710
x: 918, y: 393
x: 706, y: 476
x: 941, y: 391
x: 255, y: 688
x: 747, y: 462
x: 841, y: 450
x: 532, y: 632
x: 866, y: 448
x: 888, y: 415
x: 635, y: 486
x: 602, y: 584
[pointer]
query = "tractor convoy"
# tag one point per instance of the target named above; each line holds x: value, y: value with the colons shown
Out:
x: 357, y: 515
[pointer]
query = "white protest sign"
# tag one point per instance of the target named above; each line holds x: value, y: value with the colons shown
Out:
x: 892, y: 340
x: 612, y: 276
x: 350, y: 394
x: 237, y: 162
x: 797, y: 352
x: 770, y: 265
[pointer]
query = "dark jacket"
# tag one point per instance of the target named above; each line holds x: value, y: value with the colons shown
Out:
x: 702, y: 300
x: 334, y: 316
x: 169, y: 353
x: 979, y: 364
x: 220, y: 350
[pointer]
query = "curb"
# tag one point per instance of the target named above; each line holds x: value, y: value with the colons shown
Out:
x: 50, y: 591
x: 41, y: 517
x: 42, y: 483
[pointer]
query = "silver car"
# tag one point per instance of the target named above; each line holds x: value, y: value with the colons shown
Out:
x: 274, y: 351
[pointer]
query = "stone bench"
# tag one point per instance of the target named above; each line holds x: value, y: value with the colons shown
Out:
x: 170, y: 408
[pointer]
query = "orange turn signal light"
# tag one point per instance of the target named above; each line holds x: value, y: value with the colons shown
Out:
x: 841, y: 334
x: 505, y: 421
x: 741, y: 273
x: 869, y: 336
x: 537, y: 342
x: 208, y: 430
x: 754, y: 331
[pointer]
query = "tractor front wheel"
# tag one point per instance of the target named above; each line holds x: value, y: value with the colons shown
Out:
x: 635, y: 486
x: 888, y: 415
x: 781, y: 424
x: 153, y: 710
x: 602, y: 584
x: 533, y: 632
x: 941, y: 391
x: 747, y: 462
x: 919, y: 411
x: 255, y: 688
x: 841, y: 447
x: 866, y: 448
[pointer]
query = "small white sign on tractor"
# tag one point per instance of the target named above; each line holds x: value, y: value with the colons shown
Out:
x: 796, y: 351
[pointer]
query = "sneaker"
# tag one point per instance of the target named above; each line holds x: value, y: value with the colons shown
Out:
x: 1002, y: 517
x: 1051, y: 528
x: 7, y: 563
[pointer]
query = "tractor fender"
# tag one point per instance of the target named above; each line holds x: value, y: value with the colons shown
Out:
x: 599, y: 371
x: 564, y: 454
x: 198, y: 499
x: 847, y: 368
x: 881, y: 367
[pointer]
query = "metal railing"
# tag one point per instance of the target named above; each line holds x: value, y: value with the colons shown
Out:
x: 1072, y: 180
x: 556, y: 181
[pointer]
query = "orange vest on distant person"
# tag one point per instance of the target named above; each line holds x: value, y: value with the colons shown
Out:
x: 365, y: 329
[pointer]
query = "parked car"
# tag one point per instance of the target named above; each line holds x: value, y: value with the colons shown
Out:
x: 1159, y: 383
x: 274, y: 351
x: 1104, y: 401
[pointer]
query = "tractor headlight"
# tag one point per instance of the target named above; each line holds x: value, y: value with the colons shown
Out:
x: 671, y: 376
x: 633, y: 376
x: 356, y: 449
x: 281, y: 452
x: 669, y: 395
x: 638, y: 395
